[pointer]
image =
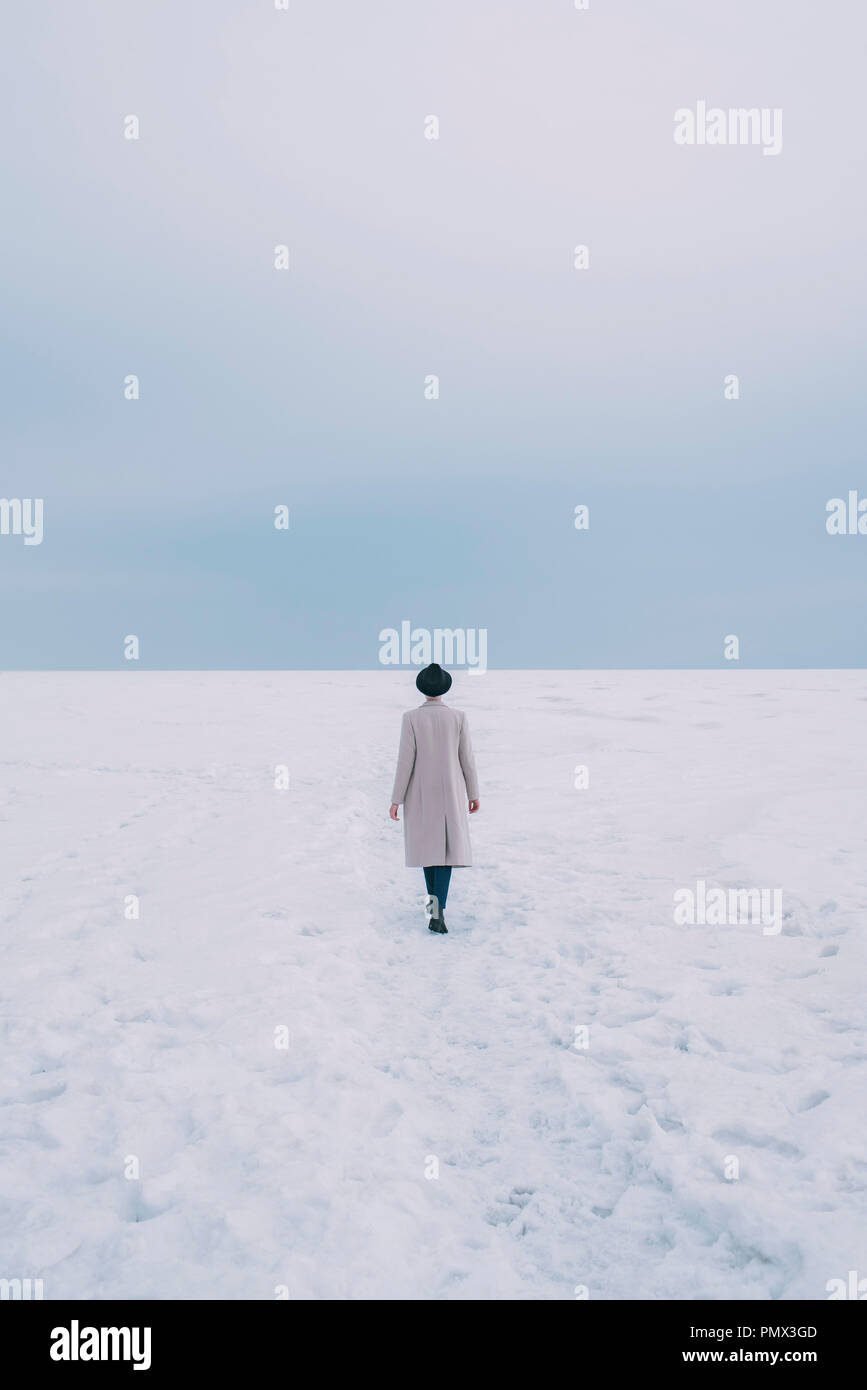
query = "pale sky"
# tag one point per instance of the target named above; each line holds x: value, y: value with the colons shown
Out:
x: 411, y: 257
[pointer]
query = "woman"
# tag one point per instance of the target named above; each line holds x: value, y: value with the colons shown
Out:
x: 435, y: 767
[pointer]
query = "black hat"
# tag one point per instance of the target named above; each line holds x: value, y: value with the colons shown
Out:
x: 433, y: 680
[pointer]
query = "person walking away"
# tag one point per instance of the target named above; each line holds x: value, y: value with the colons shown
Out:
x: 435, y: 779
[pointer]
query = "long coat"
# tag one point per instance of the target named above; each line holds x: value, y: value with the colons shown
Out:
x: 435, y: 778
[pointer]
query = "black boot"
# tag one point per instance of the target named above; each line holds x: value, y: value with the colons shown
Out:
x: 438, y: 924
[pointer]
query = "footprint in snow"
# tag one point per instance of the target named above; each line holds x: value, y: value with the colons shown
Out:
x: 757, y: 1141
x: 387, y: 1120
x: 37, y: 1096
x: 635, y: 1016
x: 813, y: 1099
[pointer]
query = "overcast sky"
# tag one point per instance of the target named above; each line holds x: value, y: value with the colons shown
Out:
x: 411, y: 257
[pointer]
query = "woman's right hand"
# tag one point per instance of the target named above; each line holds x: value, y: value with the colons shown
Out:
x: 474, y: 805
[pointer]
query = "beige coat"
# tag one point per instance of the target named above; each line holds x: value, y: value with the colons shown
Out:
x: 435, y: 778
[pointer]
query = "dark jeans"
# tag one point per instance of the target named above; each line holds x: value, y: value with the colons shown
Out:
x: 437, y: 880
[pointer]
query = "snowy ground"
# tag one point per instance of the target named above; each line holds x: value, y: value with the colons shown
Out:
x: 558, y: 1166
